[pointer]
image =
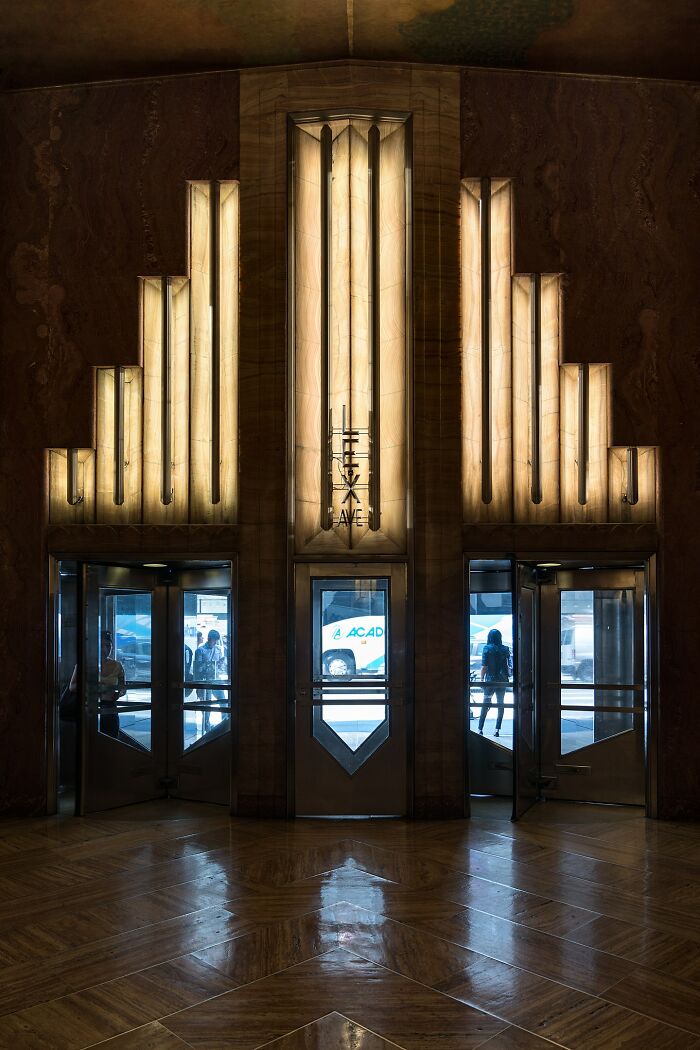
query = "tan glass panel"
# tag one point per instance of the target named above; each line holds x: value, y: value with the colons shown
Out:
x: 620, y: 508
x: 154, y: 509
x: 598, y: 429
x: 130, y: 510
x: 500, y: 508
x: 524, y: 394
x: 392, y: 251
x: 229, y: 307
x: 307, y: 358
x: 200, y: 359
x: 350, y: 374
x: 61, y: 510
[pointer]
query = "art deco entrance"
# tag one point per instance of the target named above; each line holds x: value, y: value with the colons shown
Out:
x: 349, y: 704
x: 563, y: 715
x: 152, y: 692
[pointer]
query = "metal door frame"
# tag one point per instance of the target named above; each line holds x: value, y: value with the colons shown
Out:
x: 600, y: 578
x: 195, y: 559
x: 303, y: 572
x: 643, y: 560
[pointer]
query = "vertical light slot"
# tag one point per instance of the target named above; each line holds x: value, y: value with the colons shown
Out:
x: 166, y: 491
x: 632, y: 493
x: 485, y: 241
x: 536, y: 391
x: 119, y: 443
x: 327, y: 423
x: 374, y: 328
x: 582, y: 443
x: 214, y: 276
x: 73, y: 495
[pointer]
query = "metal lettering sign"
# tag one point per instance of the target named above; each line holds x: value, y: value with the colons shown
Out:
x: 349, y: 473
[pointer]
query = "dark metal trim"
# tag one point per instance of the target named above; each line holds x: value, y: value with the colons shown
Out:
x: 215, y: 297
x: 350, y: 760
x: 119, y: 435
x: 326, y: 278
x: 536, y: 386
x: 583, y: 434
x: 373, y: 166
x: 632, y: 494
x: 485, y: 239
x: 166, y: 488
x: 72, y: 495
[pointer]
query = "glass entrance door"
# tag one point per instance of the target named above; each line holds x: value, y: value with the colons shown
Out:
x: 593, y: 694
x: 155, y: 683
x: 350, y: 691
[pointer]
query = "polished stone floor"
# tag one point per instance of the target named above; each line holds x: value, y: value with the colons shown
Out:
x: 168, y: 926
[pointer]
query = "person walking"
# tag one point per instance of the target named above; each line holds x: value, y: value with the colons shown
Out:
x: 496, y: 669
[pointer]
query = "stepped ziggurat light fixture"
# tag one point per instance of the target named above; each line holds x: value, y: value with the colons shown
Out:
x: 535, y: 432
x: 166, y: 443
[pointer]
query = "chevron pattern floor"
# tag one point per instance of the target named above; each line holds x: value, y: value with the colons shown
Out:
x: 171, y: 926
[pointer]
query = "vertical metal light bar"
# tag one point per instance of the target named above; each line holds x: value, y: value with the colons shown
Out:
x: 214, y: 286
x: 583, y: 434
x: 632, y: 494
x: 536, y: 386
x: 326, y: 263
x: 72, y: 494
x: 485, y: 222
x: 119, y: 435
x: 166, y: 401
x: 374, y: 328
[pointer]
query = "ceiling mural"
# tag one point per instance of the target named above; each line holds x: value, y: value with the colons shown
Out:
x: 61, y: 41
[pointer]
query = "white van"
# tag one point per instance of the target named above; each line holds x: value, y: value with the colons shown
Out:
x: 354, y: 646
x: 577, y: 651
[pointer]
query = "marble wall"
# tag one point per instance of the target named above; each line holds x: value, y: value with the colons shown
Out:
x: 607, y: 189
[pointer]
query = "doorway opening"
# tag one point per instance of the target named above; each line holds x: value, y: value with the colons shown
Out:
x: 557, y: 682
x: 143, y: 682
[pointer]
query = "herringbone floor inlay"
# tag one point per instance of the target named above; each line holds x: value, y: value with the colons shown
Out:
x: 168, y: 927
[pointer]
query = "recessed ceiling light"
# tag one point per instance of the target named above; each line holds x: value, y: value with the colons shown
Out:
x: 548, y: 564
x: 154, y: 565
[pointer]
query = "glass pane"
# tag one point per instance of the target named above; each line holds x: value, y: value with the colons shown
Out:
x: 597, y: 636
x: 587, y: 724
x: 133, y: 718
x: 352, y: 616
x: 205, y: 715
x: 206, y: 636
x: 490, y: 657
x: 127, y: 618
x: 353, y: 722
x: 489, y: 715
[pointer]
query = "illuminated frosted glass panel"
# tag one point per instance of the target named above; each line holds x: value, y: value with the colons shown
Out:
x: 350, y: 372
x: 115, y: 424
x: 486, y: 370
x: 71, y: 486
x: 157, y: 414
x: 620, y: 485
x: 536, y: 438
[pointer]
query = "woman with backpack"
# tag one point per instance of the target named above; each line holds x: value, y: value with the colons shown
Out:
x: 496, y: 668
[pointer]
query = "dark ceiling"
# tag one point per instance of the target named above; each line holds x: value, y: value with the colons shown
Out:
x: 63, y: 41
